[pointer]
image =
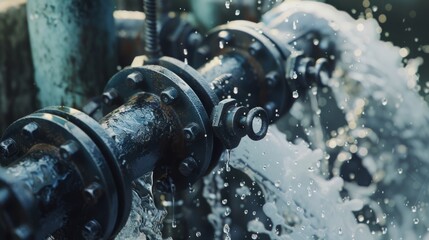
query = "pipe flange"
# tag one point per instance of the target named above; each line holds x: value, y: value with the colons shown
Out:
x: 77, y: 149
x: 203, y: 90
x: 248, y: 40
x: 176, y: 94
x: 110, y: 152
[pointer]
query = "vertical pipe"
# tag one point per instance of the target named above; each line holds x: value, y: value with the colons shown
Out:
x: 73, y: 46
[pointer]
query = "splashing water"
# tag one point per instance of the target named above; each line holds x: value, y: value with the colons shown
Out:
x: 145, y: 220
x: 300, y: 204
x: 385, y: 118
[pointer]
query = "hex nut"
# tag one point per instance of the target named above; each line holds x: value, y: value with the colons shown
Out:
x: 134, y: 80
x: 8, y: 147
x: 93, y: 192
x: 191, y: 131
x: 68, y: 149
x: 91, y: 230
x: 110, y: 97
x: 187, y: 166
x: 30, y: 130
x: 272, y: 79
x: 169, y: 95
x: 255, y: 48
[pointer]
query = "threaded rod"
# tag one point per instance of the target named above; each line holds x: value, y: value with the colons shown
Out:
x: 153, y: 51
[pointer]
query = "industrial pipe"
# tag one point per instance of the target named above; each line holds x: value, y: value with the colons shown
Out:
x: 168, y: 118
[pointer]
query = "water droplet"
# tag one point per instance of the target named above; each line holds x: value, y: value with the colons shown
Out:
x: 224, y: 201
x: 254, y: 236
x: 228, y: 157
x: 198, y: 234
x: 384, y: 101
x: 400, y: 170
x: 414, y: 209
x: 295, y: 94
x: 294, y: 75
x: 226, y: 228
x: 235, y: 90
x: 316, y: 42
x: 227, y: 211
x: 174, y: 224
x: 221, y: 44
x: 340, y: 231
x: 237, y: 12
x: 416, y: 221
x: 227, y: 4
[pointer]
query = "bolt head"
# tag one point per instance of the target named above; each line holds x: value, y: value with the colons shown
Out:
x: 91, y: 230
x: 68, y: 149
x: 30, y: 130
x: 255, y: 48
x: 195, y: 39
x: 272, y: 79
x: 191, y: 131
x: 224, y: 36
x: 169, y: 95
x: 134, y: 79
x: 110, y: 96
x: 8, y: 148
x: 93, y: 192
x: 187, y: 166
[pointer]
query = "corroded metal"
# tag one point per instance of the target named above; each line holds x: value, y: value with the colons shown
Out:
x: 71, y: 41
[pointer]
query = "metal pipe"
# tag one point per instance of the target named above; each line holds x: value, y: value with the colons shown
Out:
x: 142, y: 129
x: 72, y: 41
x: 40, y: 173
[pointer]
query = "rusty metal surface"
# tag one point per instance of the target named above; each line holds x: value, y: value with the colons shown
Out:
x: 17, y: 91
x: 73, y: 46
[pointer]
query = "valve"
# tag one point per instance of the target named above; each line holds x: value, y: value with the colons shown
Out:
x: 231, y: 122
